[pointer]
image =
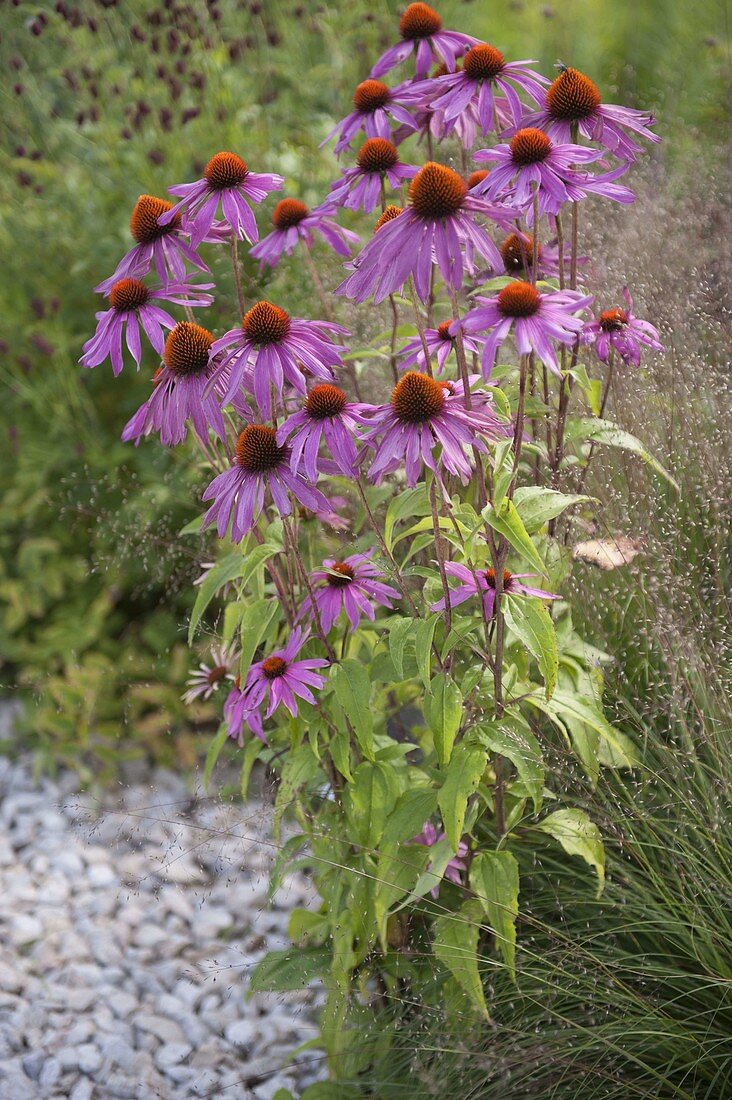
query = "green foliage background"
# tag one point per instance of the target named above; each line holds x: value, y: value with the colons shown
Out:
x: 104, y: 101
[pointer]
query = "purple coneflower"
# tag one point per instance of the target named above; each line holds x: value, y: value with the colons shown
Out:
x: 162, y: 246
x: 326, y: 415
x: 573, y: 100
x: 421, y: 30
x: 350, y: 585
x: 472, y: 87
x: 205, y: 680
x: 457, y: 865
x: 238, y: 712
x: 359, y: 188
x: 376, y: 108
x: 272, y: 348
x: 531, y: 162
x: 517, y: 250
x: 133, y: 304
x: 179, y: 392
x: 228, y: 181
x: 483, y: 582
x: 260, y: 463
x: 283, y: 678
x: 423, y: 413
x: 440, y: 342
x: 294, y: 222
x: 439, y: 222
x: 536, y: 319
x: 619, y: 330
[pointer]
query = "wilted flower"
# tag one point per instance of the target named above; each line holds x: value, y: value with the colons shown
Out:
x: 132, y: 305
x: 472, y: 88
x: 377, y: 107
x: 439, y: 222
x: 482, y: 582
x: 260, y: 463
x: 574, y: 100
x: 421, y: 30
x: 159, y: 245
x: 619, y: 330
x: 351, y: 585
x: 359, y: 188
x: 226, y: 181
x: 293, y: 222
x: 530, y: 162
x: 326, y: 415
x: 272, y: 348
x: 180, y: 392
x: 423, y: 413
x: 205, y: 680
x: 536, y: 319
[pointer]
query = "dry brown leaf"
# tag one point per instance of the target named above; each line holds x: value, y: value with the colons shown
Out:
x: 609, y: 553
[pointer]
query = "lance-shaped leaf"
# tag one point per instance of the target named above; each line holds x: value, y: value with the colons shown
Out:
x: 407, y: 818
x: 352, y: 688
x: 494, y: 876
x: 443, y: 709
x: 456, y: 946
x: 508, y: 523
x: 371, y: 798
x: 234, y: 566
x: 579, y: 837
x: 537, y: 505
x: 466, y: 766
x: 604, y: 431
x: 512, y: 738
x: 531, y: 621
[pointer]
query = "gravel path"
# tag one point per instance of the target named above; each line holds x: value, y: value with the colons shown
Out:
x: 127, y: 931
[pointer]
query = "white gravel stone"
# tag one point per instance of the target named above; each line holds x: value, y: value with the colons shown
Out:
x: 126, y: 944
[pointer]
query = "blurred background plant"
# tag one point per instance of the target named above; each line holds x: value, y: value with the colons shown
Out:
x: 104, y: 101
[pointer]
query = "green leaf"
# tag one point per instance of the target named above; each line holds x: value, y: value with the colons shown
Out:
x: 352, y: 688
x: 371, y: 798
x: 456, y: 946
x: 564, y: 705
x: 292, y: 968
x: 537, y: 505
x: 443, y: 709
x: 440, y: 855
x: 407, y: 818
x: 424, y: 633
x: 220, y: 574
x: 618, y: 753
x: 579, y: 837
x: 531, y: 621
x: 494, y: 876
x: 299, y: 768
x: 252, y: 750
x: 463, y: 775
x: 604, y: 431
x: 508, y: 523
x: 412, y: 502
x: 513, y: 739
x: 340, y: 750
x: 400, y: 628
x: 255, y: 622
x: 234, y: 566
x: 213, y: 753
x: 396, y: 873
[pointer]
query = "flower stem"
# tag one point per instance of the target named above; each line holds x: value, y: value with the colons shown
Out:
x: 420, y: 327
x: 387, y: 552
x: 305, y: 576
x: 440, y: 549
x: 237, y: 274
x: 313, y: 271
